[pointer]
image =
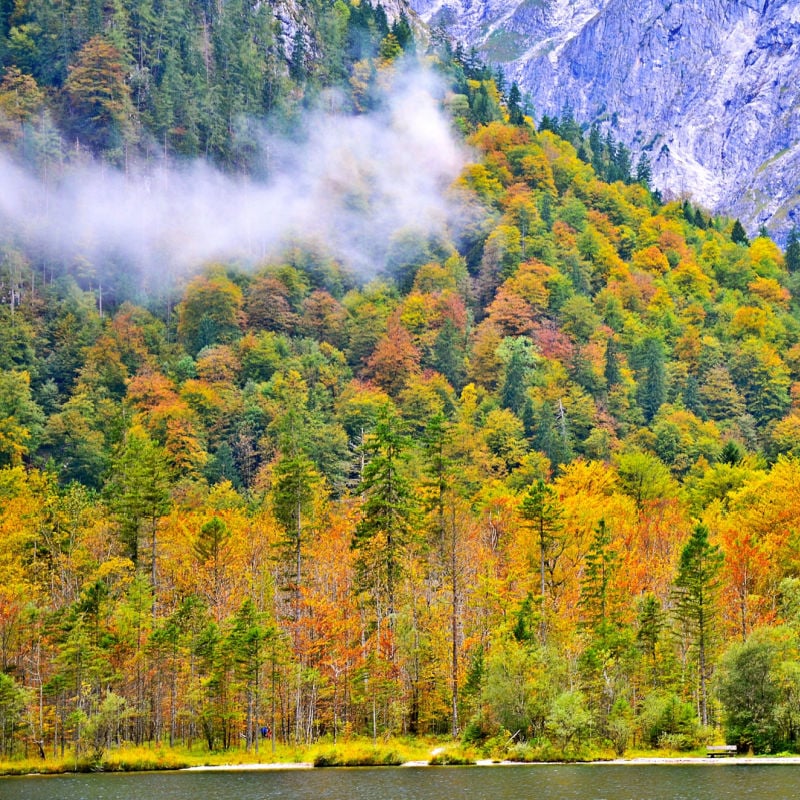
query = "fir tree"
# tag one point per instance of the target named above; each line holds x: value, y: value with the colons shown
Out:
x: 611, y: 371
x: 696, y: 588
x: 621, y: 164
x: 650, y: 623
x: 644, y: 171
x: 541, y: 509
x: 738, y: 235
x: 514, y: 390
x: 297, y: 64
x: 402, y: 32
x: 515, y: 116
x: 384, y: 531
x: 601, y: 563
x: 792, y: 255
x: 547, y: 123
x: 596, y: 147
x: 568, y: 128
x: 652, y: 382
x: 500, y: 81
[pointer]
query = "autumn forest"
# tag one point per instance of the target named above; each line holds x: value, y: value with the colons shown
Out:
x: 532, y: 481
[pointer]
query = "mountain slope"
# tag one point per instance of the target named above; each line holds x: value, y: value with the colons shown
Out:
x: 711, y: 90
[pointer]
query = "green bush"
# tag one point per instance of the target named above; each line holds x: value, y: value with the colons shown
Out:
x: 667, y: 721
x: 451, y: 758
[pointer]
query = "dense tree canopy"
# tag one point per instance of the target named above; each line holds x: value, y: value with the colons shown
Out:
x: 538, y: 474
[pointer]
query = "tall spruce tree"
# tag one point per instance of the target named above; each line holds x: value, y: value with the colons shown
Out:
x: 644, y: 171
x: 294, y: 477
x: 695, y: 595
x: 542, y: 511
x: 738, y: 235
x: 652, y: 376
x: 792, y: 255
x: 383, y: 534
x: 139, y: 494
x: 515, y: 115
x: 601, y: 562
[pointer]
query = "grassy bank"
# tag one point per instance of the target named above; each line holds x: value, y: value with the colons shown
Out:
x: 129, y: 758
x: 354, y: 752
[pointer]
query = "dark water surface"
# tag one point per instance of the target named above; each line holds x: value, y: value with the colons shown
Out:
x: 541, y: 782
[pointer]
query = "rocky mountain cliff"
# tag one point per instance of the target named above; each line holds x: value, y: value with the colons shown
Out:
x: 709, y: 88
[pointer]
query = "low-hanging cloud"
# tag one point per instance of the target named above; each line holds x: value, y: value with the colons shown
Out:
x: 350, y: 184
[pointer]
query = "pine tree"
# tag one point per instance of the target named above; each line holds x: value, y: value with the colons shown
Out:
x: 738, y: 235
x: 596, y: 147
x: 609, y: 157
x: 297, y: 65
x: 294, y: 484
x: 515, y: 384
x: 652, y: 382
x: 295, y: 479
x: 691, y: 397
x: 385, y: 529
x: 695, y: 594
x: 792, y: 255
x: 449, y: 355
x: 568, y: 128
x: 621, y: 164
x: 644, y: 171
x: 611, y: 371
x: 542, y: 511
x: 650, y: 623
x: 139, y: 493
x: 515, y: 116
x: 500, y: 81
x: 403, y: 33
x: 247, y: 643
x: 438, y: 467
x: 601, y: 563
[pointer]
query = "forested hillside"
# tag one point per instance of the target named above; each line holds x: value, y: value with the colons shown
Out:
x: 533, y: 481
x: 176, y: 76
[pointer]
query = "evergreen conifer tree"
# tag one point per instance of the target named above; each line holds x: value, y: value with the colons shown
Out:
x: 541, y: 509
x: 696, y: 589
x: 793, y: 250
x: 644, y: 171
x: 738, y: 235
x: 515, y: 116
x: 383, y: 533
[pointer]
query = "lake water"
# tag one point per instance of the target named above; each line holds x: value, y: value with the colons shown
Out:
x: 540, y: 782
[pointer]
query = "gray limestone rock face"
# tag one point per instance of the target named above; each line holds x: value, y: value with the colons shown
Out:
x: 710, y: 89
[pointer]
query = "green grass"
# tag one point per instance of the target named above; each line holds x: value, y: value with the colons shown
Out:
x: 353, y: 752
x: 453, y: 758
x: 130, y: 758
x: 359, y: 752
x: 504, y: 46
x: 354, y: 757
x: 772, y: 159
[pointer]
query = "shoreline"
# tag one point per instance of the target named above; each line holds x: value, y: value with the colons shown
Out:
x: 633, y: 762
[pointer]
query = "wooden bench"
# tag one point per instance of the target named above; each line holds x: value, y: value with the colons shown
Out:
x: 714, y: 750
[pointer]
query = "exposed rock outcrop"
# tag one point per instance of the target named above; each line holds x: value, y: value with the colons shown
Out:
x: 709, y: 88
